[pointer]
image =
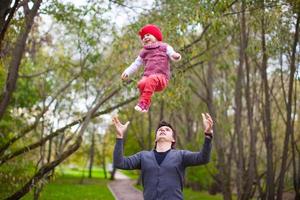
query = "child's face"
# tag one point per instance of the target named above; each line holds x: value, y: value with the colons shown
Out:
x: 148, y: 39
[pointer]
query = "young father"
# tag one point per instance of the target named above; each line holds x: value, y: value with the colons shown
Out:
x: 163, y: 167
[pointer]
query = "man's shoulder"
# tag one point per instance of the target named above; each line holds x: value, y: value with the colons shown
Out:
x: 146, y: 152
x: 180, y: 151
x: 177, y: 151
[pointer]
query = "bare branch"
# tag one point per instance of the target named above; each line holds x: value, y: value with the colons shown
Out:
x: 37, y: 119
x: 30, y: 147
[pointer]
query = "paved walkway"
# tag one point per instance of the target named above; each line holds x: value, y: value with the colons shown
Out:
x: 123, y: 188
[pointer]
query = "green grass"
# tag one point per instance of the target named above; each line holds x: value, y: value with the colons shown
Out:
x: 68, y: 186
x: 96, y: 173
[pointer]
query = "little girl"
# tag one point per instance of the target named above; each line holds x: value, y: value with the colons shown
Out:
x: 155, y: 56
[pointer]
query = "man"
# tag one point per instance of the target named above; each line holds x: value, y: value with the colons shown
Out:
x: 163, y: 168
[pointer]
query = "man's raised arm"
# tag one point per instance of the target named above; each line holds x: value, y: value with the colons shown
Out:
x: 203, y: 156
x: 119, y: 161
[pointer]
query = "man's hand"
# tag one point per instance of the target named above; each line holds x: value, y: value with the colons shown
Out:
x: 124, y: 76
x: 207, y: 123
x: 121, y: 128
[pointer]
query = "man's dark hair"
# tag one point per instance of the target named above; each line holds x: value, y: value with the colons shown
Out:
x: 164, y: 123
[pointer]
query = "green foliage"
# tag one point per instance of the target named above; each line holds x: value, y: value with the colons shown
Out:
x: 2, y: 74
x: 8, y: 126
x: 27, y: 95
x: 201, y: 176
x: 14, y: 175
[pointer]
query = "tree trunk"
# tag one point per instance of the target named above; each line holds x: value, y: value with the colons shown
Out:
x: 289, y: 129
x: 223, y: 167
x: 17, y: 55
x: 149, y: 130
x: 4, y: 10
x: 239, y: 106
x: 39, y: 187
x: 270, y: 185
x: 49, y: 150
x: 296, y: 168
x: 103, y: 159
x: 112, y: 174
x: 92, y: 150
x: 251, y: 174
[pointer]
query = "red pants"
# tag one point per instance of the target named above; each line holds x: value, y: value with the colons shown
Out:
x: 150, y: 84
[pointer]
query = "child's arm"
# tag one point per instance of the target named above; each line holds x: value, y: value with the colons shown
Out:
x: 172, y: 54
x: 132, y: 68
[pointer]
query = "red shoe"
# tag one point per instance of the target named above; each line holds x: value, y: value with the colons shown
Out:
x: 142, y: 107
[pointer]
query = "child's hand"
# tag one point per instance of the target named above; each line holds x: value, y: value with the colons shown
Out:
x: 176, y: 56
x: 124, y: 76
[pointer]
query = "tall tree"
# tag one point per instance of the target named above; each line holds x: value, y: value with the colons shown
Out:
x: 289, y: 129
x: 267, y: 121
x: 17, y: 54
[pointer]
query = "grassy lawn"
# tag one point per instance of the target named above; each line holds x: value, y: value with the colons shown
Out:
x: 67, y: 186
x: 97, y: 172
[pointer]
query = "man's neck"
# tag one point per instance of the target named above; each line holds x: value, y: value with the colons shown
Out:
x: 162, y: 146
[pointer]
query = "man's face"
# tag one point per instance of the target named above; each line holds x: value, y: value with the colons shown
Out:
x: 148, y: 39
x: 164, y: 133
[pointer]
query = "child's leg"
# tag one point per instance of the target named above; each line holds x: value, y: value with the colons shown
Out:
x: 162, y: 82
x: 148, y: 86
x: 141, y: 85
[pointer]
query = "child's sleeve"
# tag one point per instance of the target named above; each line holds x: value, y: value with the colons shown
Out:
x: 134, y: 66
x: 171, y: 52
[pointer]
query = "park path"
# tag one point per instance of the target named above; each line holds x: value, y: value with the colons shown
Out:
x: 123, y: 188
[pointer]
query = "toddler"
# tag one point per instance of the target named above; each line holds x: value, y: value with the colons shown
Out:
x: 155, y: 56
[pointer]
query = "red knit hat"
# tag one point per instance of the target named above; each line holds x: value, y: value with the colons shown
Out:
x: 151, y: 29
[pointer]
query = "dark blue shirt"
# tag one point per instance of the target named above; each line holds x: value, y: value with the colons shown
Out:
x: 160, y: 156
